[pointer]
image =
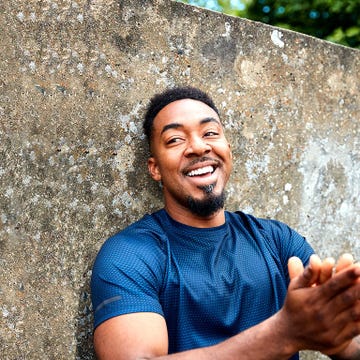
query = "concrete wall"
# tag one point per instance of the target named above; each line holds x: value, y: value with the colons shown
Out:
x: 75, y: 78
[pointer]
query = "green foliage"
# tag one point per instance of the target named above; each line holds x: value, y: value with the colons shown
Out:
x: 333, y: 20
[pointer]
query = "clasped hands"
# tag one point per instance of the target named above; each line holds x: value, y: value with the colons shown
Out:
x: 322, y: 307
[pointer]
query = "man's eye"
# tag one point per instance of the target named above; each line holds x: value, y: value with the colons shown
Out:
x: 173, y: 140
x: 211, y: 133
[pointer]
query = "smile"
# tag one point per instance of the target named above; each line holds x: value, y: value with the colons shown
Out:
x: 201, y: 171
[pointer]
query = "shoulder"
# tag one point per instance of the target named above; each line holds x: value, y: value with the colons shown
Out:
x: 275, y: 234
x: 129, y: 270
x: 144, y: 238
x: 261, y: 224
x: 139, y: 250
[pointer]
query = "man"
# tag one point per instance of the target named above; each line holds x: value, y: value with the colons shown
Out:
x: 193, y: 281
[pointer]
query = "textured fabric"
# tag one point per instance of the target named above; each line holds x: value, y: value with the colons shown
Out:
x: 209, y: 284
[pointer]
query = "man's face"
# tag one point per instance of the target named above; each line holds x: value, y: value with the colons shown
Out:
x: 190, y: 156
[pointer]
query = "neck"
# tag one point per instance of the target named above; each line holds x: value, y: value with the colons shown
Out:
x: 186, y: 217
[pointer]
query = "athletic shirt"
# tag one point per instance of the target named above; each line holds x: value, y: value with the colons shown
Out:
x: 208, y: 283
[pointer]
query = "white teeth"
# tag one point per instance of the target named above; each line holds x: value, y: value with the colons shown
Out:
x: 201, y: 171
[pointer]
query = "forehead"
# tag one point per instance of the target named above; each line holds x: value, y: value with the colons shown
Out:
x: 184, y: 112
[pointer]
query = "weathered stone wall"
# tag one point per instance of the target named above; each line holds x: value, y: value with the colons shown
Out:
x: 75, y: 78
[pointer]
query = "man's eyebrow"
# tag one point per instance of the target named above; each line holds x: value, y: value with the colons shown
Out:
x: 171, y: 126
x: 177, y: 125
x: 209, y: 119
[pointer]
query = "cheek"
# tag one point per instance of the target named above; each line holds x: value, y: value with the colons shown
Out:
x: 168, y: 165
x: 227, y: 153
x: 229, y: 161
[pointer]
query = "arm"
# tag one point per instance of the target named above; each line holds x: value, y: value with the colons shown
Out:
x: 131, y: 336
x: 141, y: 336
x: 313, y: 317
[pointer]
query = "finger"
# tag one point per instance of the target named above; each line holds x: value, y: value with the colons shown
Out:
x: 337, y: 349
x: 341, y: 281
x: 326, y: 270
x: 309, y: 276
x: 357, y: 265
x: 316, y: 265
x: 344, y: 261
x: 349, y: 321
x: 348, y: 302
x: 295, y: 267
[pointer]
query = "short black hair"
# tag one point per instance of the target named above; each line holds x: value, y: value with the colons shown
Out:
x: 159, y: 101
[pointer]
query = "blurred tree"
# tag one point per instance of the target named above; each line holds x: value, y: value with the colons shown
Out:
x: 333, y: 20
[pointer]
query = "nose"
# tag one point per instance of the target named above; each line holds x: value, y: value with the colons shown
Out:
x: 197, y: 146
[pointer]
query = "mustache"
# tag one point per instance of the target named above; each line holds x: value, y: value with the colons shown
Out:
x: 203, y: 159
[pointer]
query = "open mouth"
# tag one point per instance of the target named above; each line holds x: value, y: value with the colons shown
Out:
x: 206, y: 170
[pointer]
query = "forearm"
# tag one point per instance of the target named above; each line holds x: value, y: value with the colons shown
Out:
x: 265, y: 341
x: 352, y: 352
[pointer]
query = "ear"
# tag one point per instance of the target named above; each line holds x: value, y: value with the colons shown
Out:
x: 231, y: 154
x: 153, y: 169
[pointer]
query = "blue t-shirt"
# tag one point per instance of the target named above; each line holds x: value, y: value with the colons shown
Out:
x: 209, y: 284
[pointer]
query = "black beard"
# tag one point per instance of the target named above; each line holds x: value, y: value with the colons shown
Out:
x: 209, y: 205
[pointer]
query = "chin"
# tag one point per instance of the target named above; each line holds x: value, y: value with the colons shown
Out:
x: 208, y: 205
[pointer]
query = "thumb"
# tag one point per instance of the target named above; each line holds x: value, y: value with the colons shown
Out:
x: 300, y: 277
x: 295, y: 267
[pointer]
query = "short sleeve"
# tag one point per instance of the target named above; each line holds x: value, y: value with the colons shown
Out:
x: 288, y: 242
x: 127, y: 277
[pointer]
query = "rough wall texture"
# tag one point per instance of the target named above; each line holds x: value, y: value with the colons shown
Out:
x: 75, y: 79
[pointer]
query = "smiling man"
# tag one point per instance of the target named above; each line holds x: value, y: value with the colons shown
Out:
x: 193, y: 281
x: 192, y: 159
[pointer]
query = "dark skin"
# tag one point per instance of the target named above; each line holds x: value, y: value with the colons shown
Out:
x: 322, y: 308
x: 319, y: 273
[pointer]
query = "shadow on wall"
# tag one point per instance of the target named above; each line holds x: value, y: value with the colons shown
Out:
x: 84, y: 322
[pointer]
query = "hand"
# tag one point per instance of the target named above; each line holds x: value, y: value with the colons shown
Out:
x: 322, y: 271
x: 322, y: 307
